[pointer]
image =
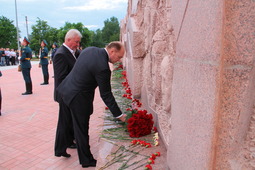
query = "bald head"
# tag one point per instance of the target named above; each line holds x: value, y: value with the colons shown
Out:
x: 116, y: 51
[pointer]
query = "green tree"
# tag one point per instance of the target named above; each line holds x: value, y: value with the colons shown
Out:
x: 40, y: 31
x: 97, y: 40
x: 111, y: 30
x: 86, y: 34
x: 8, y: 33
x: 52, y: 36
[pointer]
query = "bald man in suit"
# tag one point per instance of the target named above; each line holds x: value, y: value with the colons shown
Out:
x: 77, y: 91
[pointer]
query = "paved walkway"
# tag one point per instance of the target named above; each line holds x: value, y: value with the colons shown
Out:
x: 28, y: 124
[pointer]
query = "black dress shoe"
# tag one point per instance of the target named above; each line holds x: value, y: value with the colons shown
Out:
x: 63, y: 154
x: 44, y: 83
x: 27, y: 93
x: 73, y: 146
x: 90, y: 164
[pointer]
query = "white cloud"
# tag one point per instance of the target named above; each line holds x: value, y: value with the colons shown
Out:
x: 98, y: 5
x: 91, y: 26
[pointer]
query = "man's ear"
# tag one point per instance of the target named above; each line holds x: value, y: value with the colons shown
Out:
x: 111, y: 51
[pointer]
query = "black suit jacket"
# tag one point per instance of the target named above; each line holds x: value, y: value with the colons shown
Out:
x: 90, y: 70
x: 63, y: 62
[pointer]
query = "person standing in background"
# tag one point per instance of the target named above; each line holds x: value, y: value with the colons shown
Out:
x: 54, y: 49
x: 63, y: 62
x: 12, y: 57
x: 44, y: 62
x: 17, y: 57
x: 7, y: 56
x: 26, y: 56
x: 0, y: 97
x: 1, y: 55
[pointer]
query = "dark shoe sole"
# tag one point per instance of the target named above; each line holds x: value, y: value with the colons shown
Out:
x: 27, y: 93
x: 66, y: 155
x: 91, y: 164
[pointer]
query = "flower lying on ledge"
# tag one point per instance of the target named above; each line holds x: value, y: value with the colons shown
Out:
x: 139, y: 122
x: 142, y: 143
x: 148, y: 167
x: 151, y: 160
x: 156, y: 138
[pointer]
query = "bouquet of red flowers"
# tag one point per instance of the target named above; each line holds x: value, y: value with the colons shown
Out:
x: 140, y: 124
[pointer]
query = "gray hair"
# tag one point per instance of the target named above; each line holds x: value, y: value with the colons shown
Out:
x: 72, y: 33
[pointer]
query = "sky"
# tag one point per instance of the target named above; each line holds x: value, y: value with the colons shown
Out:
x: 92, y: 13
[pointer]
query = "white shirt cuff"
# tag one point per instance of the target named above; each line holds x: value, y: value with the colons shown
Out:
x: 120, y: 116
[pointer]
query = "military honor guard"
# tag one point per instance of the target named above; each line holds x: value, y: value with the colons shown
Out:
x: 44, y: 62
x: 54, y: 49
x: 26, y: 56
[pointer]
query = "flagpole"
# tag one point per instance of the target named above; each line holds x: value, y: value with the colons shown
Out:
x: 17, y: 27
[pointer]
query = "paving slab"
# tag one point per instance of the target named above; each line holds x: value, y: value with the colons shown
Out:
x: 28, y: 124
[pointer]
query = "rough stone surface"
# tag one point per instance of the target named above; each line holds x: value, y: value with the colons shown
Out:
x: 147, y: 33
x: 191, y: 63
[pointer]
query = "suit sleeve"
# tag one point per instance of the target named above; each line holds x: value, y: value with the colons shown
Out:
x: 104, y: 84
x: 60, y: 66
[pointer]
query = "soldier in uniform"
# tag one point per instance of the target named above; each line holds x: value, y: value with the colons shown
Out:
x: 0, y: 96
x: 44, y: 62
x: 54, y: 49
x: 26, y: 65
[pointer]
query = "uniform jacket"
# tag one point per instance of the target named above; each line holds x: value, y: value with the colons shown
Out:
x: 90, y: 70
x: 44, y: 56
x: 53, y: 52
x: 26, y: 57
x: 63, y: 62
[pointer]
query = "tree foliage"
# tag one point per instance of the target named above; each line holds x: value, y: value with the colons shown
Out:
x: 41, y: 30
x: 86, y: 34
x: 8, y: 33
x: 96, y: 37
x: 111, y: 30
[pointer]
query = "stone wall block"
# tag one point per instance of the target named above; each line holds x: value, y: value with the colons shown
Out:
x: 193, y: 100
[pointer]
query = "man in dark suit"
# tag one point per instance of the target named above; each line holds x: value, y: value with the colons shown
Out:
x: 77, y: 91
x: 63, y: 62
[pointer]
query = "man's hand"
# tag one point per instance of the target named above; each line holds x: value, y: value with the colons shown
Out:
x: 123, y: 118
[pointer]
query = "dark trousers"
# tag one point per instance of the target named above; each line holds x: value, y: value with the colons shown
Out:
x: 7, y: 58
x: 26, y: 75
x: 13, y: 60
x: 45, y: 70
x: 64, y: 133
x: 81, y: 109
x: 45, y: 73
x: 0, y: 101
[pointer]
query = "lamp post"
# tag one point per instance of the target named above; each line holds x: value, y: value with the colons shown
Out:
x: 17, y: 27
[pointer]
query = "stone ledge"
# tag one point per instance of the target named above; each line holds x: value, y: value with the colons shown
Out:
x: 117, y: 152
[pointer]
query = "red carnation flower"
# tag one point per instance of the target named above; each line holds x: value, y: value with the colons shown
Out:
x: 148, y: 167
x: 157, y: 153
x: 134, y: 142
x: 148, y: 145
x: 153, y: 156
x: 151, y: 161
